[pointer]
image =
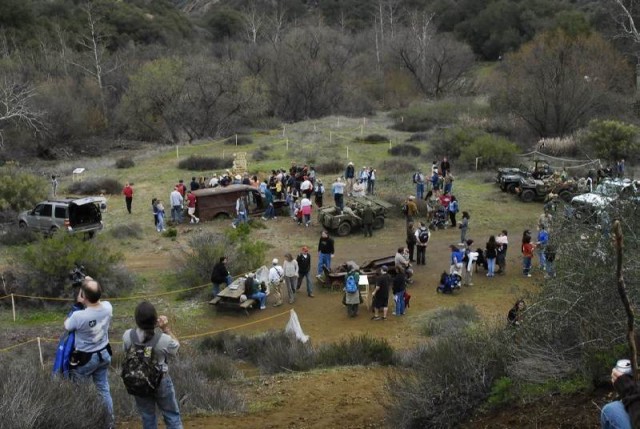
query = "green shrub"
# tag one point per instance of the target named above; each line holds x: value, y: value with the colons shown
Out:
x: 129, y: 230
x: 216, y: 366
x: 14, y: 236
x: 205, y: 249
x: 405, y: 150
x: 454, y: 376
x: 29, y: 398
x: 356, y: 350
x: 241, y: 141
x: 451, y: 141
x: 259, y: 155
x: 613, y: 140
x: 418, y: 137
x: 271, y: 352
x: 502, y: 392
x: 96, y: 187
x: 449, y: 321
x: 372, y: 138
x: 125, y: 163
x: 401, y: 166
x: 491, y: 152
x: 202, y: 163
x: 42, y: 268
x: 171, y: 232
x: 20, y: 190
x: 331, y: 167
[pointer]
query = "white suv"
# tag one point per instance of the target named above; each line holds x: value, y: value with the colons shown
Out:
x: 74, y: 215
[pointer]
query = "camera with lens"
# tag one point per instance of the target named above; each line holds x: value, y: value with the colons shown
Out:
x: 77, y: 275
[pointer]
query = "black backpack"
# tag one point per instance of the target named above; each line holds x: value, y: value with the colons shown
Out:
x: 423, y: 237
x: 141, y: 372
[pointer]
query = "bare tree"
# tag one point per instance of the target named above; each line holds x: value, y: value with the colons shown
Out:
x: 626, y: 20
x: 15, y: 106
x: 96, y: 63
x: 253, y: 20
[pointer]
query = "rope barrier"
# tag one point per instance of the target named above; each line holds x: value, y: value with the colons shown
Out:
x: 6, y: 349
x: 182, y: 338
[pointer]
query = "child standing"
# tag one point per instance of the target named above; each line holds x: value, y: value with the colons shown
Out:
x: 527, y: 254
x: 160, y: 216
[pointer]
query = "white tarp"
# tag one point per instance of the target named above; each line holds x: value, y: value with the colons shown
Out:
x: 293, y: 325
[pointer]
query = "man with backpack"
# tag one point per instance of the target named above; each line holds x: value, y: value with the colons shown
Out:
x: 145, y: 371
x: 422, y: 239
x: 92, y: 355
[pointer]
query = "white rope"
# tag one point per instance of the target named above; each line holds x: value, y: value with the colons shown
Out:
x: 535, y: 152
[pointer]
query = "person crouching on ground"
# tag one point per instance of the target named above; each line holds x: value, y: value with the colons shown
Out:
x: 164, y: 344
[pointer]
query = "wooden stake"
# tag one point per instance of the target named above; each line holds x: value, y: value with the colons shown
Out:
x: 40, y: 352
x: 347, y: 152
x: 287, y: 144
x: 177, y: 153
x: 622, y: 291
x: 236, y: 140
x: 330, y: 136
x: 13, y: 307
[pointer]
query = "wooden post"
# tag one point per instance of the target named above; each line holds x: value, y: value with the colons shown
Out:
x: 347, y: 152
x: 236, y: 140
x: 287, y: 144
x: 13, y: 307
x: 330, y: 136
x: 177, y: 153
x: 40, y: 352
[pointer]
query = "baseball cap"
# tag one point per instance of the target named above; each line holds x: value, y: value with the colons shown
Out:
x: 275, y: 261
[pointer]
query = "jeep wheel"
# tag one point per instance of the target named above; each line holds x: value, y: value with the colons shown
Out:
x: 527, y: 196
x: 566, y: 196
x: 511, y: 188
x: 22, y: 225
x: 378, y: 222
x: 344, y: 229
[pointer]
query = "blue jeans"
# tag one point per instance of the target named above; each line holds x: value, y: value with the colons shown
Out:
x: 526, y: 265
x: 614, y: 416
x: 176, y: 214
x: 97, y: 369
x: 261, y: 297
x: 419, y: 190
x: 542, y: 257
x: 491, y: 266
x: 165, y: 399
x: 309, y: 285
x: 549, y: 268
x: 447, y: 188
x: 324, y: 259
x: 160, y: 224
x: 399, y: 298
x: 242, y: 218
x: 270, y: 213
x: 216, y: 286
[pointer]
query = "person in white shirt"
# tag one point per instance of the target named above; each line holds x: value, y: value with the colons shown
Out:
x: 276, y: 276
x: 176, y: 205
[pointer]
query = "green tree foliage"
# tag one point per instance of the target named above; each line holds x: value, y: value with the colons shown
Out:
x: 42, y: 268
x: 557, y: 83
x: 491, y: 152
x: 613, y: 140
x: 20, y: 190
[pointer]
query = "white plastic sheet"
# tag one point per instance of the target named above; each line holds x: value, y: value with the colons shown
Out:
x: 293, y: 325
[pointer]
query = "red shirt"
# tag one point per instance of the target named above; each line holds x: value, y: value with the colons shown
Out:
x: 128, y: 191
x: 527, y: 250
x: 445, y: 200
x: 181, y: 188
x: 191, y: 200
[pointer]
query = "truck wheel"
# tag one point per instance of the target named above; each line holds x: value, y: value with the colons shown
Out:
x: 378, y: 222
x: 527, y: 196
x: 344, y: 229
x: 511, y: 188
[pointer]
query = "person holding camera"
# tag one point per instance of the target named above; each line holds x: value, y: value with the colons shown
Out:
x: 163, y: 344
x: 92, y: 355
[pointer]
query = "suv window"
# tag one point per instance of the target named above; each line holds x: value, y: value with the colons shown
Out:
x: 44, y: 210
x: 61, y: 212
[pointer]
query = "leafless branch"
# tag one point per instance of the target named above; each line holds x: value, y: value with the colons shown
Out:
x: 15, y: 106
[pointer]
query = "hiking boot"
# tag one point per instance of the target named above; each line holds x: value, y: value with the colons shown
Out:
x: 264, y: 307
x: 311, y: 295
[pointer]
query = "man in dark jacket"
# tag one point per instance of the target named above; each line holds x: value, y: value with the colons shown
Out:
x: 624, y: 413
x: 367, y: 219
x: 219, y: 275
x: 304, y: 270
x: 325, y: 252
x: 349, y: 174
